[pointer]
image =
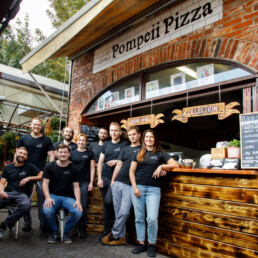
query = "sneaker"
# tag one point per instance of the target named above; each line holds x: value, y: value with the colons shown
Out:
x: 139, y: 249
x: 151, y: 251
x: 118, y: 241
x: 105, y: 233
x: 2, y: 229
x: 52, y: 238
x: 67, y: 239
x: 27, y: 227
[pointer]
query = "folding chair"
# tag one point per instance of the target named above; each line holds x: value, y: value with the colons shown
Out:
x: 11, y: 208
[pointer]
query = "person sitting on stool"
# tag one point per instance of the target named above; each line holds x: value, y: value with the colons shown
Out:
x: 18, y: 175
x: 58, y: 178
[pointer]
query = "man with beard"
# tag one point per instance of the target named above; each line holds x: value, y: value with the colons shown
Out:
x: 39, y: 147
x: 96, y: 147
x: 18, y: 175
x: 67, y: 134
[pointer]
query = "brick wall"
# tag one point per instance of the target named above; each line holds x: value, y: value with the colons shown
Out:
x: 234, y: 37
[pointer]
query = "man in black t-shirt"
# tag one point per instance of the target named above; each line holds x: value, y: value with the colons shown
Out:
x: 39, y: 148
x: 121, y: 189
x: 60, y: 185
x: 107, y: 162
x: 18, y: 176
x: 67, y: 134
x: 96, y: 147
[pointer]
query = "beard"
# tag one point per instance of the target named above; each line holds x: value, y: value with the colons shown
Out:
x: 20, y: 160
x: 68, y: 138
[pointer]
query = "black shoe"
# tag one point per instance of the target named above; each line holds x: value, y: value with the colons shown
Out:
x: 105, y: 233
x: 151, y: 251
x: 83, y: 233
x: 139, y: 249
x: 27, y: 227
x: 2, y: 229
x: 52, y: 238
x: 67, y: 239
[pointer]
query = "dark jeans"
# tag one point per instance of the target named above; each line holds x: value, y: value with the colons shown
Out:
x: 84, y: 200
x: 41, y: 199
x: 109, y: 214
x: 22, y: 207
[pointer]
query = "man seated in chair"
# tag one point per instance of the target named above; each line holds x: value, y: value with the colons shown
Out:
x: 17, y: 176
x: 60, y: 185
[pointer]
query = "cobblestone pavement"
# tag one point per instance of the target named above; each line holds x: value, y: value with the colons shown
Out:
x: 31, y: 245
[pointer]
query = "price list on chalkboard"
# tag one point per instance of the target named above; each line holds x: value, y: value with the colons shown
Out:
x: 249, y: 140
x: 90, y: 131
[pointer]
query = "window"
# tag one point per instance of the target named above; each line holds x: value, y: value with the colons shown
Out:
x: 165, y: 81
x: 180, y: 78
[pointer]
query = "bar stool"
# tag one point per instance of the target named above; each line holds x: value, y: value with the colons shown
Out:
x: 61, y: 215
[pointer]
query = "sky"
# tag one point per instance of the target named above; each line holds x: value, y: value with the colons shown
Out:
x: 37, y: 15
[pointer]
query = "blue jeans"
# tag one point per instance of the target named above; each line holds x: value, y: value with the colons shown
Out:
x: 62, y: 202
x: 150, y: 198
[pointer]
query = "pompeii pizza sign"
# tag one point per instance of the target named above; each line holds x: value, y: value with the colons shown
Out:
x: 179, y: 20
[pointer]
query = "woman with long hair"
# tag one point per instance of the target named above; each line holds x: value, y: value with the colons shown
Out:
x: 84, y: 159
x: 149, y: 164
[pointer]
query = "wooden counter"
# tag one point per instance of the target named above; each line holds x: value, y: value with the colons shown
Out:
x: 209, y: 213
x: 203, y: 213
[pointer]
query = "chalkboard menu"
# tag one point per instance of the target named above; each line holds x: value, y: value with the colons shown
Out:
x: 91, y: 132
x: 249, y: 140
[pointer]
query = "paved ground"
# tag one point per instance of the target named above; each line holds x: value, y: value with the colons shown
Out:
x: 30, y: 245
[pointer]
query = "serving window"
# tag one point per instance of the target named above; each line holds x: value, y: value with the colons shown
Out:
x: 164, y: 81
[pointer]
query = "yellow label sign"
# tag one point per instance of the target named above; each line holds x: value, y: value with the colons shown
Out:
x: 220, y: 109
x: 143, y: 120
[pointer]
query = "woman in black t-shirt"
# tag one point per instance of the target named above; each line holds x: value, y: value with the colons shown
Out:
x: 148, y: 165
x: 84, y: 160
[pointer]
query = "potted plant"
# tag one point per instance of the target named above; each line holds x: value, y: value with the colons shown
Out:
x: 234, y: 149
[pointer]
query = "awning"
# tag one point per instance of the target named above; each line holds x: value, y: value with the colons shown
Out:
x: 94, y: 23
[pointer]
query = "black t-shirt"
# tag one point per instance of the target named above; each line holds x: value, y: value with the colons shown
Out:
x: 72, y: 145
x: 126, y: 156
x: 61, y: 178
x: 111, y: 152
x: 146, y: 168
x: 14, y: 175
x: 96, y: 148
x: 82, y: 161
x: 37, y: 149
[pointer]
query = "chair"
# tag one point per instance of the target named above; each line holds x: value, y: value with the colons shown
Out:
x: 11, y: 208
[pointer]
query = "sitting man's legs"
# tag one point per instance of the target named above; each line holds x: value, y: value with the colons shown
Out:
x: 49, y: 213
x: 73, y: 219
x: 22, y: 207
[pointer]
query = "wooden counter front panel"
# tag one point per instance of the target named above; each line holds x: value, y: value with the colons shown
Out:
x: 208, y: 216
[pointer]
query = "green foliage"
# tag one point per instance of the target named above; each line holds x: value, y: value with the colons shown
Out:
x: 63, y: 10
x: 55, y: 121
x: 17, y: 41
x: 53, y: 136
x: 234, y: 143
x: 10, y: 137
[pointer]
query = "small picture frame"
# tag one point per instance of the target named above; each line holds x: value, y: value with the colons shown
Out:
x: 101, y: 103
x: 205, y: 74
x: 152, y: 89
x: 108, y: 102
x: 129, y: 94
x: 114, y: 99
x: 177, y: 82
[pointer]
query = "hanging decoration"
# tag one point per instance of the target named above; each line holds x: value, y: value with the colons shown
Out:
x: 221, y: 109
x: 152, y: 119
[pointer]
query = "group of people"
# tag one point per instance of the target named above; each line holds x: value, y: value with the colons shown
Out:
x: 131, y: 171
